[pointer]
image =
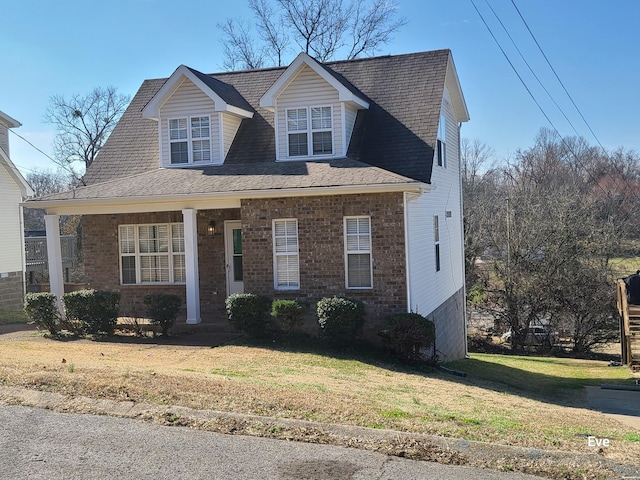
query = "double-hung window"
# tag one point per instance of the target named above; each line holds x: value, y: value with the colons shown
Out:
x: 441, y: 143
x: 357, y: 241
x: 285, y: 254
x: 190, y: 140
x: 152, y: 253
x: 310, y: 131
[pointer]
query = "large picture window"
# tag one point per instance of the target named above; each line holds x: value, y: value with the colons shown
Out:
x: 310, y: 130
x: 190, y: 140
x: 152, y: 253
x: 285, y: 254
x: 357, y: 240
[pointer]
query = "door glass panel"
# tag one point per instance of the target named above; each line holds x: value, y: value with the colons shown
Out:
x: 237, y: 268
x: 237, y: 255
x: 237, y: 241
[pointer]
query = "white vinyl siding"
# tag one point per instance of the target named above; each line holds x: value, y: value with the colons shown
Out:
x: 152, y: 253
x: 357, y: 245
x: 350, y: 114
x: 230, y: 125
x: 11, y: 255
x: 188, y: 102
x: 307, y: 90
x: 286, y: 261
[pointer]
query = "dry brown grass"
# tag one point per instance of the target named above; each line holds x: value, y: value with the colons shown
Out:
x: 503, y: 405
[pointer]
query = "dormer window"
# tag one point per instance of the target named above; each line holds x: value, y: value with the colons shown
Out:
x: 310, y: 129
x: 190, y: 140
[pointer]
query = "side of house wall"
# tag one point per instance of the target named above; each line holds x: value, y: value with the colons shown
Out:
x: 321, y: 250
x: 11, y: 239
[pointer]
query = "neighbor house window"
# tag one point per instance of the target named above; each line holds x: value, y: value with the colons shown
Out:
x: 357, y: 241
x: 310, y: 130
x: 436, y: 240
x: 190, y: 140
x: 441, y: 143
x: 152, y: 253
x: 285, y: 254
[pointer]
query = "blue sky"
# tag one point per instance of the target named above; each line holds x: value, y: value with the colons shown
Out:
x: 72, y: 46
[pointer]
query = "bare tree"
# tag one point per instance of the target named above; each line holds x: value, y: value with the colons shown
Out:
x: 83, y: 124
x: 320, y: 28
x: 44, y: 182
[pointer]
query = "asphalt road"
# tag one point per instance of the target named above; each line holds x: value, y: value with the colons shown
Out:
x: 40, y: 444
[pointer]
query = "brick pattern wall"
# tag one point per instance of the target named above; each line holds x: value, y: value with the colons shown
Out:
x: 321, y: 249
x: 11, y: 291
x: 101, y: 257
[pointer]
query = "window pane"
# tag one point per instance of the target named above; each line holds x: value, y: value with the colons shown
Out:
x: 154, y: 268
x: 237, y: 241
x: 436, y: 228
x: 287, y: 274
x: 437, y: 257
x: 322, y: 143
x: 177, y: 237
x: 298, y: 144
x: 359, y: 270
x: 178, y: 129
x: 179, y: 271
x: 128, y: 270
x: 201, y: 151
x: 297, y: 119
x: 200, y: 127
x: 153, y: 238
x: 127, y: 239
x: 358, y: 235
x: 179, y: 152
x: 237, y: 268
x: 320, y: 118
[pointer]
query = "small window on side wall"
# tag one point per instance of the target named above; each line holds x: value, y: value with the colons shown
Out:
x: 441, y: 142
x: 436, y: 240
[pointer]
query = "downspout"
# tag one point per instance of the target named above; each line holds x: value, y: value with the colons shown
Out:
x: 462, y: 251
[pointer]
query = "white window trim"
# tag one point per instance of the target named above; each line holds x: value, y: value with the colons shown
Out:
x: 277, y: 254
x: 357, y: 252
x: 441, y: 142
x: 190, y: 141
x: 437, y: 253
x: 310, y: 131
x: 138, y: 255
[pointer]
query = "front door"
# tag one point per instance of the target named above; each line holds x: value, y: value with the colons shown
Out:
x: 233, y: 249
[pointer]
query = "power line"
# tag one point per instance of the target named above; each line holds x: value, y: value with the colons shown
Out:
x: 42, y: 152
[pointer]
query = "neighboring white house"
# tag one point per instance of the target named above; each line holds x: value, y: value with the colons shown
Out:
x: 13, y: 190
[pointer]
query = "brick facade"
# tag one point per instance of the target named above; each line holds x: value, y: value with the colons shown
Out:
x: 321, y: 250
x: 11, y: 291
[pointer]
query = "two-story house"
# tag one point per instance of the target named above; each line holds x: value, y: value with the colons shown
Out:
x: 301, y: 182
x: 13, y: 191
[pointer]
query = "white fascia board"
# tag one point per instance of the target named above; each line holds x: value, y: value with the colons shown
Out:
x: 14, y: 173
x: 207, y: 201
x: 152, y: 109
x: 268, y: 100
x: 10, y: 122
x: 452, y: 83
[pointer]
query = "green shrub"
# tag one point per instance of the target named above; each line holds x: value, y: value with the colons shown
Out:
x: 42, y: 310
x: 249, y: 313
x: 408, y: 333
x: 288, y: 313
x: 96, y: 310
x: 340, y: 318
x: 162, y: 309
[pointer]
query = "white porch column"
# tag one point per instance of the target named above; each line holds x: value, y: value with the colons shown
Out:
x: 54, y: 258
x: 191, y: 264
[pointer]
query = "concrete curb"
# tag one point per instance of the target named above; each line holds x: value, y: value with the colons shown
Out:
x: 442, y: 449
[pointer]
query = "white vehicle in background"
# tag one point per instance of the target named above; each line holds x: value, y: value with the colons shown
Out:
x: 538, y: 336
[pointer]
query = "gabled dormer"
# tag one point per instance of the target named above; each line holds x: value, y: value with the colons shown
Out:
x: 198, y: 117
x: 315, y: 111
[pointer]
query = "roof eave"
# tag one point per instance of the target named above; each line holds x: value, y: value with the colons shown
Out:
x: 208, y: 200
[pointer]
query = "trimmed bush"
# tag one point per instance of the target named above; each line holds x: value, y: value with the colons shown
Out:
x: 288, y: 313
x: 408, y: 333
x: 162, y: 309
x: 96, y: 310
x: 42, y: 310
x: 249, y: 313
x: 340, y: 318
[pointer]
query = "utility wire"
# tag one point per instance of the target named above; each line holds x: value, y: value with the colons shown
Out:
x: 45, y: 154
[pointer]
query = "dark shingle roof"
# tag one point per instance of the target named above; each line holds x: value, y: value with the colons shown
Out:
x: 229, y: 178
x: 396, y: 133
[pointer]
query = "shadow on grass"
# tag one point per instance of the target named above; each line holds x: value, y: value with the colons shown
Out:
x: 545, y: 379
